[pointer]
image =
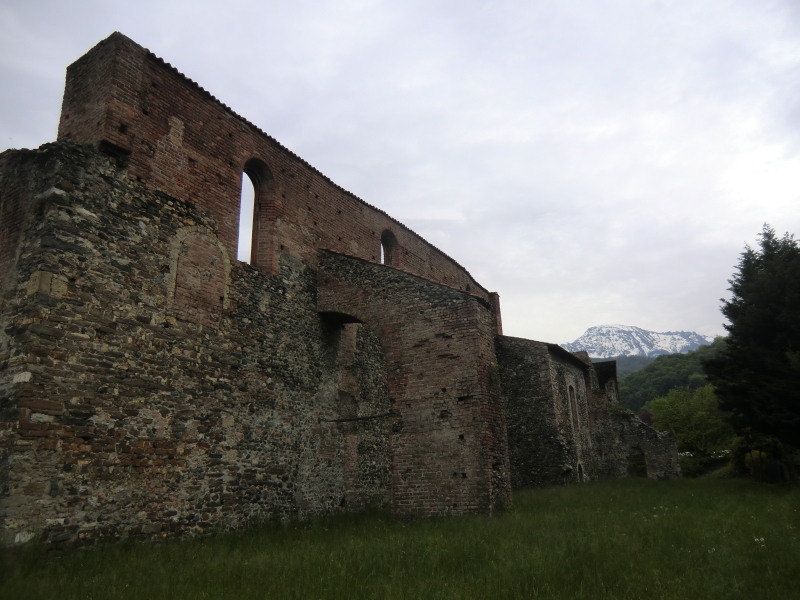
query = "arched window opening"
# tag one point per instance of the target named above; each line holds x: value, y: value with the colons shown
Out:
x: 574, y: 407
x: 246, y: 210
x: 637, y: 464
x: 256, y: 182
x: 388, y: 248
x: 580, y: 473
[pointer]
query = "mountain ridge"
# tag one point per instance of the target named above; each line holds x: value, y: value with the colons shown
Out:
x: 608, y: 341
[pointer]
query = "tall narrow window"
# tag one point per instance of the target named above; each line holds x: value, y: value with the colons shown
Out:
x: 254, y: 211
x: 246, y: 209
x: 388, y: 248
x: 574, y: 407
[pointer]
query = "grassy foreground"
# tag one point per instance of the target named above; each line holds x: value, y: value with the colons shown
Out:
x: 697, y: 539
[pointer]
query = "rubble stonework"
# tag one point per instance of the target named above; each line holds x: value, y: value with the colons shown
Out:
x: 152, y: 385
x: 553, y: 439
x: 547, y: 441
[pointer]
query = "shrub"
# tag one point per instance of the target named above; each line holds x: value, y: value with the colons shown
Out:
x: 702, y: 432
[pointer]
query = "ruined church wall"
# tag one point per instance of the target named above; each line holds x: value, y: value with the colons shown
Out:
x: 127, y: 408
x: 619, y: 436
x: 620, y: 441
x: 177, y: 138
x: 544, y: 446
x: 448, y: 431
x: 151, y: 384
x: 573, y: 424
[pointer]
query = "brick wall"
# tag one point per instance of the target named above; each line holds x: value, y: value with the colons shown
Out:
x: 150, y: 387
x: 448, y: 441
x: 177, y: 138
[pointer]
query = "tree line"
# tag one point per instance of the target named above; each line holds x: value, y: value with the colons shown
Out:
x: 665, y: 373
x: 737, y: 400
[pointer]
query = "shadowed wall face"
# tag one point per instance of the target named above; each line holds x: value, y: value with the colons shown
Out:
x: 160, y: 390
x: 152, y: 385
x: 546, y: 411
x: 203, y: 392
x: 448, y: 441
x: 564, y: 423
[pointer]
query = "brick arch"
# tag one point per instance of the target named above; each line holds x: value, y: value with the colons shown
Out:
x: 199, y: 275
x: 262, y: 248
x: 390, y: 251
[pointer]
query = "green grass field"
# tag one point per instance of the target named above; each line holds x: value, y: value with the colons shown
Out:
x: 697, y: 539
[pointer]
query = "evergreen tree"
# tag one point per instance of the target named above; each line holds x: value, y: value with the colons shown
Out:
x: 757, y: 374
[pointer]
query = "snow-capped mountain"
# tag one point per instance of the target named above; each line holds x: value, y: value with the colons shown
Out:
x: 607, y: 341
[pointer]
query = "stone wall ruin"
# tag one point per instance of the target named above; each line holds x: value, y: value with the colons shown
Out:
x: 153, y: 385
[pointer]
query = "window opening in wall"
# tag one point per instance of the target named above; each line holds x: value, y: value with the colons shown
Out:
x: 388, y: 248
x: 246, y: 209
x: 574, y: 407
x: 580, y: 473
x: 257, y: 189
x: 637, y: 464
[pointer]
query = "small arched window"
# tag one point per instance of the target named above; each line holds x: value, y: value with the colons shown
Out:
x: 573, y: 407
x: 256, y: 178
x: 388, y: 248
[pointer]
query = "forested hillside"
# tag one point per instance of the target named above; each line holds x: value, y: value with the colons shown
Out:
x: 628, y: 364
x: 665, y: 373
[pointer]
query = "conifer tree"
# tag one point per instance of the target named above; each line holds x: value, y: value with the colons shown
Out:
x: 757, y: 374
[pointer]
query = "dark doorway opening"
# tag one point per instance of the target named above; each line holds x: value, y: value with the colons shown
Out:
x: 637, y: 465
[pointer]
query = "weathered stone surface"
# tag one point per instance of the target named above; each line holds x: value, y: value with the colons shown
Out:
x: 547, y: 444
x: 621, y: 437
x: 140, y: 414
x: 153, y: 412
x: 555, y: 440
x: 152, y: 385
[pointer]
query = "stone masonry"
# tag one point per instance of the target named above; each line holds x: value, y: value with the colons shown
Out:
x: 565, y: 423
x: 153, y: 385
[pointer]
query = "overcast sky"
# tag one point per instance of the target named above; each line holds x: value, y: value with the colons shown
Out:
x: 594, y: 162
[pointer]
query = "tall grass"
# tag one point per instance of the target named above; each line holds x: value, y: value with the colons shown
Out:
x: 698, y: 539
